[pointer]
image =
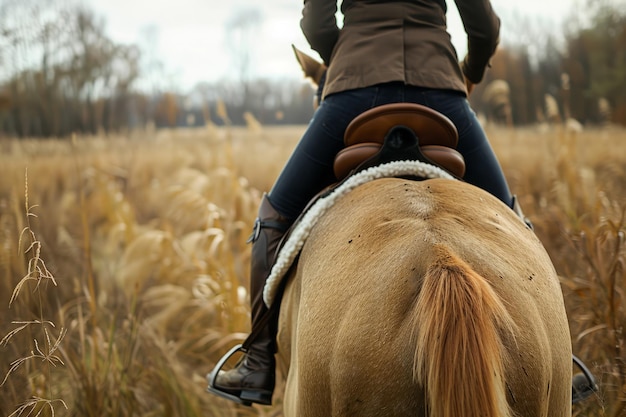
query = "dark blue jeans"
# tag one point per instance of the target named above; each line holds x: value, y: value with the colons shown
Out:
x: 310, y: 167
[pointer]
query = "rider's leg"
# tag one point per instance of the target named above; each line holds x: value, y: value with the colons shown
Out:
x: 253, y: 378
x: 310, y: 167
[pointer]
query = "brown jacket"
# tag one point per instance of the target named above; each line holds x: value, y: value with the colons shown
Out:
x: 385, y: 40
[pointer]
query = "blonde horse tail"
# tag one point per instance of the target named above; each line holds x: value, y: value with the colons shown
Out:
x: 457, y: 322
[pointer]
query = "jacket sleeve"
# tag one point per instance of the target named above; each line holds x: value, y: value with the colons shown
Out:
x: 482, y: 26
x: 319, y: 26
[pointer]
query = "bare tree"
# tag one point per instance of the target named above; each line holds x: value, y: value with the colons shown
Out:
x: 241, y: 30
x: 64, y: 74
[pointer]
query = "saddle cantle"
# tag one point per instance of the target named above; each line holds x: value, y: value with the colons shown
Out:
x: 365, y: 135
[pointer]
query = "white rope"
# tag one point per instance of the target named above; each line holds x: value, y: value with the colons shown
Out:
x: 298, y: 236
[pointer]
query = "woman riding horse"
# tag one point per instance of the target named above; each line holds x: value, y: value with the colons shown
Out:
x: 386, y: 52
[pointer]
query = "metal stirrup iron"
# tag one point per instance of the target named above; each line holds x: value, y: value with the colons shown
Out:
x: 583, y: 385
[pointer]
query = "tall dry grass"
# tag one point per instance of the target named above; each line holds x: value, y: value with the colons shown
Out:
x: 145, y: 235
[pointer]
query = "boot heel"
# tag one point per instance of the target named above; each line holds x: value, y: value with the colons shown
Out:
x: 259, y: 397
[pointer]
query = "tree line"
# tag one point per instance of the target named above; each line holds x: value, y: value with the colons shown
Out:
x: 60, y: 73
x: 585, y: 77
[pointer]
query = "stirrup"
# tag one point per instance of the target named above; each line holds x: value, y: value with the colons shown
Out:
x: 584, y: 384
x: 213, y: 376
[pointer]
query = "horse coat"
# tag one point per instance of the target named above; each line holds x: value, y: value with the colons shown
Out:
x: 427, y: 298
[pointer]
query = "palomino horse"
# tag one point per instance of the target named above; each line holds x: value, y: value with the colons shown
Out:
x: 423, y: 298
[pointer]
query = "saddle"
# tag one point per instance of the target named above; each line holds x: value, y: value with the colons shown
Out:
x: 368, y: 134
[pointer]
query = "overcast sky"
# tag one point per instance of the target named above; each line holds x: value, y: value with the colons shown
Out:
x: 193, y: 40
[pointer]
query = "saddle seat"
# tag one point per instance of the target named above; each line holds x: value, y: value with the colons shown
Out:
x: 365, y: 135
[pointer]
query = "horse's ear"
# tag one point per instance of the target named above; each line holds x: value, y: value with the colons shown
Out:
x: 312, y: 68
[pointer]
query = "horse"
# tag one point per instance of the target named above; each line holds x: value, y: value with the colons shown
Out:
x: 423, y: 298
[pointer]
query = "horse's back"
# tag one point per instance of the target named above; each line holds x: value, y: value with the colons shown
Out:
x: 346, y: 325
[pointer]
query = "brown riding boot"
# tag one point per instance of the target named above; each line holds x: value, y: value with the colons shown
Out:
x: 252, y: 380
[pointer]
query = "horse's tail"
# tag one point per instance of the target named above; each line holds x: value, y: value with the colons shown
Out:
x: 458, y: 320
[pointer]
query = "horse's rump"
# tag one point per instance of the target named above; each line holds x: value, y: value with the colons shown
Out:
x: 366, y: 297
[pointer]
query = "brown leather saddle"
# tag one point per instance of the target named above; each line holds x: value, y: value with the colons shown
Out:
x: 366, y: 136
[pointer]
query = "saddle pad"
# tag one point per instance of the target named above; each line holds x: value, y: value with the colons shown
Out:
x: 301, y: 231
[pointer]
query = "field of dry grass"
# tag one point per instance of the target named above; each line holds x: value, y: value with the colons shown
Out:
x: 123, y: 262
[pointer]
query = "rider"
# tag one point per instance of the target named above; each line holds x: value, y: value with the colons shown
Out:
x: 386, y: 52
